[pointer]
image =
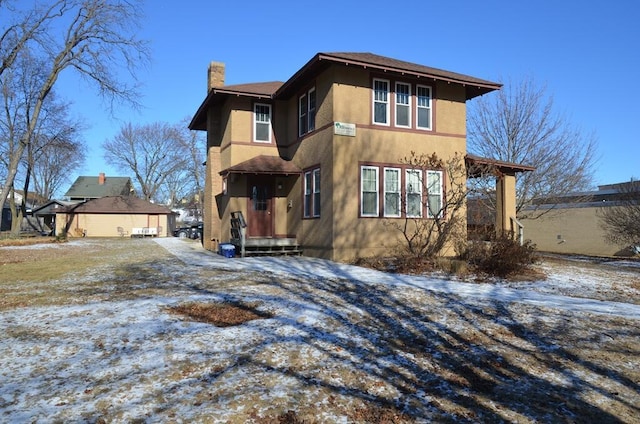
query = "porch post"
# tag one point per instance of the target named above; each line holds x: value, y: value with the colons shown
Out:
x: 505, y: 204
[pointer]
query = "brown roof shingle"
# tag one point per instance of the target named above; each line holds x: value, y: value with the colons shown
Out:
x: 264, y: 165
x: 278, y: 90
x: 120, y: 205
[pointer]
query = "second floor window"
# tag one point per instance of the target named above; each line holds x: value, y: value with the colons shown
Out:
x: 403, y: 105
x: 423, y: 107
x: 262, y: 123
x: 381, y: 102
x: 307, y: 112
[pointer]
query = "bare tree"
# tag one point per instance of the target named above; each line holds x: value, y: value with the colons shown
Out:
x: 194, y: 148
x: 621, y: 219
x: 428, y: 236
x: 54, y: 133
x: 56, y: 150
x: 94, y: 38
x: 519, y: 124
x: 153, y: 152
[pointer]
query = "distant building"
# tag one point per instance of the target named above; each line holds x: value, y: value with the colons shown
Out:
x: 95, y: 187
x: 31, y: 201
x: 572, y: 223
x: 109, y: 216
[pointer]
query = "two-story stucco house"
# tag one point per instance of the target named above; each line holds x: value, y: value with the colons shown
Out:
x: 317, y: 159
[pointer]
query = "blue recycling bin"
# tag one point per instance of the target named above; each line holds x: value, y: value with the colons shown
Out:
x: 227, y: 250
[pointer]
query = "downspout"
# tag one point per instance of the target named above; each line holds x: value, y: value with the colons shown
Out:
x: 520, y: 233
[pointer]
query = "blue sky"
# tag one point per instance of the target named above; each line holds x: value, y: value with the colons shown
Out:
x: 586, y: 53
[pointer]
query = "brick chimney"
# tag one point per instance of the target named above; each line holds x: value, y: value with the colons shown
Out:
x: 215, y: 76
x: 101, y: 178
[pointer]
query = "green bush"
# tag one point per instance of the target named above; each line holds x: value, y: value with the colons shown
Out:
x: 500, y: 257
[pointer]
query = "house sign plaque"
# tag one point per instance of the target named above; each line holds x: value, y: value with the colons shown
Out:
x: 343, y: 128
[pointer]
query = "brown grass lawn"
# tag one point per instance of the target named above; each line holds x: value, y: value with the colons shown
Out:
x: 158, y: 340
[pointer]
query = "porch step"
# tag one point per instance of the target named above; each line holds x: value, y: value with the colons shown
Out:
x: 268, y: 246
x: 283, y: 250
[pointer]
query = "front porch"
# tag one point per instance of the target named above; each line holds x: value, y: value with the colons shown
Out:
x: 259, y: 246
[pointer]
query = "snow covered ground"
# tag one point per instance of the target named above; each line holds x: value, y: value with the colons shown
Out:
x: 345, y: 344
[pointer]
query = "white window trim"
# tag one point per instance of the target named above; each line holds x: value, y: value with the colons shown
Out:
x: 374, y: 101
x: 407, y: 105
x: 440, y: 194
x: 314, y: 192
x: 430, y: 108
x: 377, y: 172
x: 304, y: 97
x: 310, y: 192
x: 307, y: 201
x: 406, y: 188
x: 315, y: 109
x: 399, y: 192
x: 309, y: 118
x: 255, y: 122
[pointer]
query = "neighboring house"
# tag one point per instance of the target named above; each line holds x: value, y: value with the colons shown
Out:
x: 32, y: 200
x: 47, y: 213
x: 317, y: 159
x: 572, y: 223
x: 109, y: 216
x: 85, y: 188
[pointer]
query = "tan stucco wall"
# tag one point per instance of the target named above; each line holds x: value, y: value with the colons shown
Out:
x: 340, y: 233
x: 570, y: 231
x: 106, y: 225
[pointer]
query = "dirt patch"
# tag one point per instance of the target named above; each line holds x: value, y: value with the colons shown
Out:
x: 220, y: 314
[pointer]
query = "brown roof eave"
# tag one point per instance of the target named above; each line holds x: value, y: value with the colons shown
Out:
x: 481, y: 163
x: 473, y: 86
x: 263, y: 165
x: 199, y: 120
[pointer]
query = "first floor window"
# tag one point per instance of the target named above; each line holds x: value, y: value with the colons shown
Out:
x: 392, y: 192
x: 414, y: 193
x: 434, y: 188
x: 262, y: 123
x: 369, y: 191
x: 400, y: 191
x: 312, y: 193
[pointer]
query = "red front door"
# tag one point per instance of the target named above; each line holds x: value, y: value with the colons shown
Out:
x: 260, y: 207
